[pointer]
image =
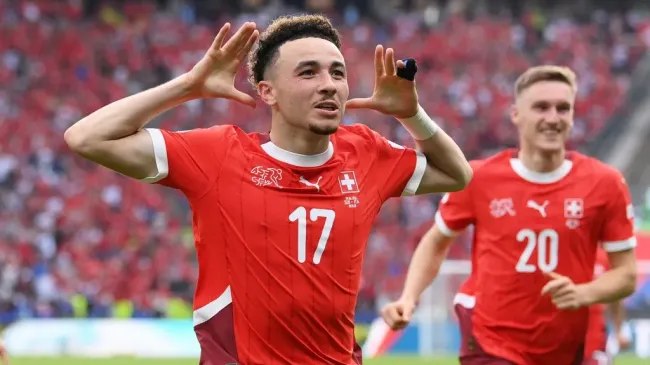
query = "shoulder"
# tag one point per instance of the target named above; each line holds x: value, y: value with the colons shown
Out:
x: 218, y: 131
x: 361, y: 138
x: 597, y: 170
x: 357, y: 133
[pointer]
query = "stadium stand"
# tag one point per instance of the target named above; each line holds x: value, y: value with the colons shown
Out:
x: 79, y: 241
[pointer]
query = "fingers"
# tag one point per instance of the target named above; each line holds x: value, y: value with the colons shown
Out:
x: 389, y: 62
x: 553, y: 275
x: 361, y: 103
x: 564, y: 293
x: 390, y: 315
x: 379, y: 61
x: 397, y: 316
x: 247, y: 48
x: 557, y: 281
x: 567, y: 302
x: 407, y: 314
x: 218, y: 40
x: 239, y: 39
x: 554, y: 285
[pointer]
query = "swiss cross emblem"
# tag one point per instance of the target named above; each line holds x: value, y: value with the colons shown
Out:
x: 574, y: 208
x: 348, y: 182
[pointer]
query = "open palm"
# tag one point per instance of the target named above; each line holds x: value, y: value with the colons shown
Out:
x: 392, y: 95
x: 214, y: 75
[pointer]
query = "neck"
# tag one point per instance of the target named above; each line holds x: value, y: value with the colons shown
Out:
x: 540, y: 161
x: 298, y: 141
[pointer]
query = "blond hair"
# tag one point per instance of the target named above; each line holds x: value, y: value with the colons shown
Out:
x: 545, y: 73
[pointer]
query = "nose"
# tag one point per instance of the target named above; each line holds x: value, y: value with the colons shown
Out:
x: 552, y: 116
x: 327, y: 87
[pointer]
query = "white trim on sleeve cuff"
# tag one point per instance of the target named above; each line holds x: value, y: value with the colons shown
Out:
x: 418, y: 172
x: 443, y: 227
x: 616, y: 246
x: 160, y: 152
x: 465, y: 300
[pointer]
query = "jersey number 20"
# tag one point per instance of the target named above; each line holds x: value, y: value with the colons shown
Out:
x: 547, y: 243
x: 300, y: 215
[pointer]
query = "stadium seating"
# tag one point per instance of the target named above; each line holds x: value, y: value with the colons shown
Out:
x: 78, y: 240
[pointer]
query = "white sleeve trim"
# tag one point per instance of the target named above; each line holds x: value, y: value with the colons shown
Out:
x: 418, y: 172
x: 616, y: 246
x: 443, y: 227
x: 160, y: 152
x: 465, y: 300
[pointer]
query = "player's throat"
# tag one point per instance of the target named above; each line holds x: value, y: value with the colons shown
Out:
x: 542, y: 162
x: 299, y: 142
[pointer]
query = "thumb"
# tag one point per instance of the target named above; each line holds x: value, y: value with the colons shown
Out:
x: 360, y: 103
x: 243, y: 98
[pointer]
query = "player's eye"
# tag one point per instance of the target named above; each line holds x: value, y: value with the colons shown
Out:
x: 307, y: 73
x: 338, y: 73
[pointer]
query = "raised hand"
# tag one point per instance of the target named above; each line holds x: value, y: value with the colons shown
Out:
x: 214, y: 75
x: 392, y: 95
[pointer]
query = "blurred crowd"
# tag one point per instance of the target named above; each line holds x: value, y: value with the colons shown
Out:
x: 78, y: 240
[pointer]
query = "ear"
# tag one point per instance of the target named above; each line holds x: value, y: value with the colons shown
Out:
x: 514, y: 114
x: 266, y: 92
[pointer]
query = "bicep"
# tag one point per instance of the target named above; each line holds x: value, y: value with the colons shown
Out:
x: 131, y: 156
x: 617, y: 232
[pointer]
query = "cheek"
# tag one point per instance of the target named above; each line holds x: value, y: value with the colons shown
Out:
x: 344, y: 90
x: 290, y: 98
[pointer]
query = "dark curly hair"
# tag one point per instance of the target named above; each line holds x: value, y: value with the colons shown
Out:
x: 285, y: 29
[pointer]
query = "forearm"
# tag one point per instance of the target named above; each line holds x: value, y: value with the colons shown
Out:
x: 126, y: 116
x: 424, y: 266
x: 613, y: 285
x: 617, y: 313
x: 443, y: 155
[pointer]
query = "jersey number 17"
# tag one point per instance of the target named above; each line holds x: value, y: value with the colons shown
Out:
x: 547, y: 243
x: 300, y: 215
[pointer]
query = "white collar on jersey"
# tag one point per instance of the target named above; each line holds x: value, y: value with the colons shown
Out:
x: 541, y: 177
x: 297, y: 159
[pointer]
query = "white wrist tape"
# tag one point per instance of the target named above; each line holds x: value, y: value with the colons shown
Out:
x: 420, y: 126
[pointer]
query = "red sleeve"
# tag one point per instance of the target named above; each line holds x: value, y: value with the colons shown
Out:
x: 189, y: 160
x: 456, y: 211
x: 618, y: 229
x: 400, y: 169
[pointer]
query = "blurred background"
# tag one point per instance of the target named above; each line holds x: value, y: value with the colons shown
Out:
x: 92, y: 263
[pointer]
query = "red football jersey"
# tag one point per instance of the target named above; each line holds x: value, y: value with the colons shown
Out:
x: 280, y: 237
x: 526, y: 223
x: 597, y: 328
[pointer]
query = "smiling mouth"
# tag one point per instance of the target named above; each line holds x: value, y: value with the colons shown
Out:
x: 327, y: 105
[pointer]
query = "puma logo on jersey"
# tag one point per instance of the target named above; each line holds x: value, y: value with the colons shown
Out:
x: 540, y: 208
x: 309, y: 183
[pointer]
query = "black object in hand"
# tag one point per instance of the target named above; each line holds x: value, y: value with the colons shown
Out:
x: 409, y: 70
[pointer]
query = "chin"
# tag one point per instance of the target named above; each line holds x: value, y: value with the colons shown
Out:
x: 550, y: 147
x: 324, y: 129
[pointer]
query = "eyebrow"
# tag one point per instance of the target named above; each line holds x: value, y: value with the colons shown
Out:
x: 557, y: 103
x: 312, y: 63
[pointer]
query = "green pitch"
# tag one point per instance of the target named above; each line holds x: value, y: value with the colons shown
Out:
x: 392, y: 360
